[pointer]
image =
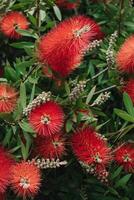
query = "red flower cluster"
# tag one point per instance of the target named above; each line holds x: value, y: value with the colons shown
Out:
x: 5, y: 166
x: 47, y: 119
x: 124, y: 155
x: 66, y: 4
x: 63, y: 47
x: 129, y: 88
x: 91, y: 148
x: 124, y: 59
x: 50, y: 147
x: 12, y: 21
x: 8, y: 98
x: 25, y: 179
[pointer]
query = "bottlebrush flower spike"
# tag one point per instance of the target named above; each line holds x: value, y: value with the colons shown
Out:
x: 91, y: 148
x: 124, y: 58
x: 11, y: 21
x: 124, y: 155
x: 50, y: 147
x: 66, y: 4
x: 129, y: 88
x: 62, y: 49
x: 25, y: 179
x: 47, y: 119
x: 8, y: 98
x: 2, y: 196
x: 5, y: 166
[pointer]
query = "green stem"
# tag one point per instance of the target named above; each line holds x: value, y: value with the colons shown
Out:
x: 121, y: 2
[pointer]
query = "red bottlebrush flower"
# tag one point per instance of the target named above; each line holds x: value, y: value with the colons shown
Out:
x: 129, y: 88
x: 124, y: 155
x: 11, y: 21
x: 67, y: 4
x: 5, y: 166
x: 50, y: 147
x: 124, y: 59
x: 63, y: 47
x: 91, y: 148
x: 8, y: 98
x: 47, y: 119
x: 25, y: 179
x: 2, y: 196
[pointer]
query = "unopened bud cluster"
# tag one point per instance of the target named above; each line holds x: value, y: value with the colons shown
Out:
x: 102, y: 98
x: 94, y: 44
x: 132, y: 3
x: 48, y: 163
x: 41, y: 98
x: 110, y: 58
x: 77, y: 90
x: 92, y: 169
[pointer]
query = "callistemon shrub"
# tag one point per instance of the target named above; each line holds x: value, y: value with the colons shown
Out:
x: 67, y: 99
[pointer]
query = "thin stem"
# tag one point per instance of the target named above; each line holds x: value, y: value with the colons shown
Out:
x: 106, y: 89
x: 121, y: 2
x: 29, y: 73
x: 38, y: 14
x: 97, y: 74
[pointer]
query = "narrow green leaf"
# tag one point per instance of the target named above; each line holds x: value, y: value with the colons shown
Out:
x: 123, y: 181
x: 128, y: 104
x: 124, y: 115
x: 26, y: 127
x: 23, y: 95
x: 90, y: 95
x: 57, y: 12
x: 116, y: 172
x: 27, y: 33
x: 22, y: 45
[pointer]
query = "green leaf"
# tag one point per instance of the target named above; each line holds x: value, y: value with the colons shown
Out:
x: 10, y: 73
x: 124, y: 115
x: 22, y: 45
x: 128, y: 104
x: 90, y: 95
x: 116, y: 172
x: 123, y: 181
x: 26, y: 127
x: 23, y: 95
x: 69, y: 125
x: 27, y: 33
x: 57, y: 12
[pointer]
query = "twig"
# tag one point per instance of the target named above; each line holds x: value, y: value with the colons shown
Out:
x: 106, y: 89
x: 121, y: 2
x: 97, y: 74
x: 38, y: 14
x: 29, y: 73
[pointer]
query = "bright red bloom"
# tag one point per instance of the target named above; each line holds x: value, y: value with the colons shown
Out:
x: 2, y: 196
x: 47, y: 119
x: 5, y: 166
x: 25, y: 179
x: 62, y: 49
x: 66, y: 4
x: 90, y: 148
x: 11, y: 21
x: 129, y: 88
x: 124, y: 59
x: 8, y: 98
x: 124, y: 155
x: 50, y: 147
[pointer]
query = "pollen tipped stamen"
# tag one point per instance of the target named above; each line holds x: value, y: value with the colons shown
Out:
x: 45, y: 119
x: 127, y: 158
x: 97, y: 159
x: 24, y: 183
x: 85, y: 29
